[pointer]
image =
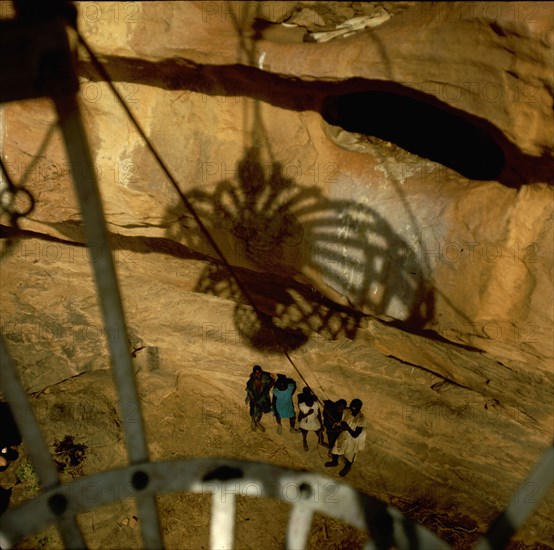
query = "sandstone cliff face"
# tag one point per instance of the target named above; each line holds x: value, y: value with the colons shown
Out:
x: 386, y: 197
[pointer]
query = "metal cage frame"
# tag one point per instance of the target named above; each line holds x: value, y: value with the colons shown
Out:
x: 49, y: 71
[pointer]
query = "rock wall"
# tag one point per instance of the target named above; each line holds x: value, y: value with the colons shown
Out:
x: 387, y: 190
x: 444, y: 250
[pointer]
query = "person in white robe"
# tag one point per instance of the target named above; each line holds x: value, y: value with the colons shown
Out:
x: 351, y: 439
x: 309, y: 419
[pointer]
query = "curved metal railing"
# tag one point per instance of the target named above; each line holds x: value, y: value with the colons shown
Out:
x: 60, y: 504
x: 306, y: 493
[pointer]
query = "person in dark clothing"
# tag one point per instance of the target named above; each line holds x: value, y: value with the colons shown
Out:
x: 352, y: 438
x: 9, y: 439
x: 257, y: 395
x: 332, y: 416
x: 9, y: 436
x: 306, y: 392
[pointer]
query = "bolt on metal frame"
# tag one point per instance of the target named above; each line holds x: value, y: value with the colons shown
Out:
x: 49, y: 71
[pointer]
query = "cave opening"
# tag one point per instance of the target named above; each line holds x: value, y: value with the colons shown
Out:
x: 420, y: 128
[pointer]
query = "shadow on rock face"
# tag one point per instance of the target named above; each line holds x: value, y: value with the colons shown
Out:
x: 261, y: 331
x: 288, y: 230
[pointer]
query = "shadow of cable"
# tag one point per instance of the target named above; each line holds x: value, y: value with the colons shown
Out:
x: 343, y: 247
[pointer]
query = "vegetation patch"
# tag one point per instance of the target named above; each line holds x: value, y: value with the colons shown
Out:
x: 26, y: 474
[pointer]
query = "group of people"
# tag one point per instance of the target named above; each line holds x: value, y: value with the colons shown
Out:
x: 345, y: 426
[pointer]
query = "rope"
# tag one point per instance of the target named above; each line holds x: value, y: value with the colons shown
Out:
x: 204, y: 230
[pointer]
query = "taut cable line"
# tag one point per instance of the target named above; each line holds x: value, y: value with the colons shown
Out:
x: 166, y: 170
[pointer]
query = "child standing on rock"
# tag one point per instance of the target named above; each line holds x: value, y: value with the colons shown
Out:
x: 309, y: 419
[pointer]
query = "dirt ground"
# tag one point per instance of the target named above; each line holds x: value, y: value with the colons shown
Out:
x: 193, y: 412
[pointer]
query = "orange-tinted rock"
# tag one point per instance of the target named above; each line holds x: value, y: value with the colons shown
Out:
x: 439, y: 221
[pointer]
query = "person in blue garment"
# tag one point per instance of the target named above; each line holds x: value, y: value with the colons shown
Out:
x: 283, y: 406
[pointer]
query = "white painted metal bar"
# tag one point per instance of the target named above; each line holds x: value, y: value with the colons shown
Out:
x: 149, y: 521
x: 110, y: 301
x: 298, y: 530
x: 408, y: 535
x: 311, y: 492
x: 539, y: 480
x: 222, y: 523
x: 71, y: 533
x: 104, y: 272
x: 26, y: 422
x: 314, y: 492
x: 35, y: 444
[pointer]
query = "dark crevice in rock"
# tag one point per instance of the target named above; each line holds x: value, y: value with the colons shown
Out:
x: 419, y: 128
x: 7, y: 232
x: 37, y: 393
x: 429, y: 334
x: 434, y: 373
x: 387, y: 106
x: 289, y: 312
x: 75, y: 237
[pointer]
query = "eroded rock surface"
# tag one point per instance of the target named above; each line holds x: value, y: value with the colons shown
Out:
x: 385, y: 197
